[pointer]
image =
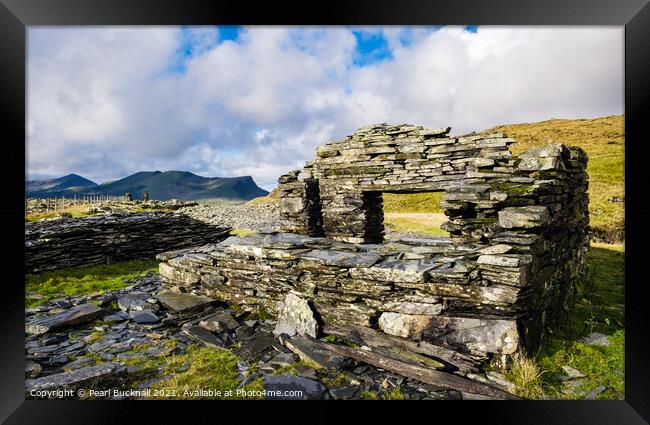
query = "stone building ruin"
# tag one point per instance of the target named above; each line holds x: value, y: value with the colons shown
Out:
x: 518, y: 237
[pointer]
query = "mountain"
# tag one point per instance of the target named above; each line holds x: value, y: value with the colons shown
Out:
x: 162, y: 185
x: 72, y: 182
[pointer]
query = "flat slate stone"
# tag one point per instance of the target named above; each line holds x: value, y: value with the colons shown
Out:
x: 133, y: 301
x: 342, y: 258
x: 181, y: 302
x: 308, y: 351
x: 103, y: 372
x: 205, y: 336
x: 79, y: 314
x: 144, y: 316
x: 277, y: 385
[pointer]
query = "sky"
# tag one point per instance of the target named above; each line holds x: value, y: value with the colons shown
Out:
x: 106, y: 102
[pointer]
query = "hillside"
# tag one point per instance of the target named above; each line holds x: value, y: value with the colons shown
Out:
x: 72, y: 182
x: 604, y: 141
x: 166, y: 185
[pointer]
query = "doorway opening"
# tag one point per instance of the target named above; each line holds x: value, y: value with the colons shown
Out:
x: 417, y: 214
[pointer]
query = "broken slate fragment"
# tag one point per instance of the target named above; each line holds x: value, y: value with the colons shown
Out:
x: 144, y: 316
x: 572, y: 373
x: 79, y: 314
x: 104, y: 373
x: 295, y: 316
x: 181, y: 302
x: 203, y: 335
x: 310, y: 352
x: 289, y: 384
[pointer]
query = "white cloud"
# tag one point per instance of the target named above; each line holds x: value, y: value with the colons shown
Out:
x: 106, y: 102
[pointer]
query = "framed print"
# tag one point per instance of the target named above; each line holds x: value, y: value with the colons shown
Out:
x: 379, y: 201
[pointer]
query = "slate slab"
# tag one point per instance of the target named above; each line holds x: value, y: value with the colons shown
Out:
x: 79, y: 314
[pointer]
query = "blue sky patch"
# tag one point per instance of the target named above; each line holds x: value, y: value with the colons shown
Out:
x: 471, y: 28
x: 229, y: 32
x: 371, y: 47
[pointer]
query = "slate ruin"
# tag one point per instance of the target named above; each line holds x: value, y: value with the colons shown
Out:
x: 518, y: 235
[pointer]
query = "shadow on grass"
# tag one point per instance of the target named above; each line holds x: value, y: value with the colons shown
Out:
x: 600, y: 308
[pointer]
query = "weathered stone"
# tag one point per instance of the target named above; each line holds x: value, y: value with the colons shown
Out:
x: 495, y: 249
x: 133, y: 301
x: 101, y: 374
x: 203, y: 335
x: 277, y: 386
x: 32, y: 369
x: 572, y: 373
x: 474, y: 335
x: 79, y: 363
x: 284, y: 359
x: 144, y: 316
x: 313, y: 354
x: 181, y: 302
x: 79, y: 314
x: 220, y: 322
x: 518, y: 235
x: 404, y: 325
x: 295, y: 316
x: 524, y: 217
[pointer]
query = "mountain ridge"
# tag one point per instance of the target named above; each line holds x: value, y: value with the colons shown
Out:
x: 161, y: 185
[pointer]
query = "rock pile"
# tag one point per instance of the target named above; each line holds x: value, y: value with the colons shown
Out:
x: 518, y: 236
x: 262, y: 216
x: 66, y: 242
x: 109, y: 354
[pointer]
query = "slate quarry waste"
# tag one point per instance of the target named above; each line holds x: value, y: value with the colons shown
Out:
x: 518, y: 235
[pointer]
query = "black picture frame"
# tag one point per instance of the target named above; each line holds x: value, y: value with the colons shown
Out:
x: 16, y: 15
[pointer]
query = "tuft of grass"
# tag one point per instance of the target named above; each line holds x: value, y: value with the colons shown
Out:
x: 75, y: 281
x: 526, y: 375
x: 394, y: 393
x: 209, y: 369
x: 335, y: 381
x: 369, y: 395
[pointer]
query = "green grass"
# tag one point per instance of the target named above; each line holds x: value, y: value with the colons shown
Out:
x: 599, y: 308
x: 85, y: 280
x: 394, y: 393
x: 209, y: 368
x: 427, y: 202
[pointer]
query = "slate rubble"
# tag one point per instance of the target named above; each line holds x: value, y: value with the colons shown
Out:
x: 67, y: 242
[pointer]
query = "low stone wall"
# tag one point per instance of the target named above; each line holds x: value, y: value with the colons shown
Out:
x: 66, y: 242
x: 413, y: 288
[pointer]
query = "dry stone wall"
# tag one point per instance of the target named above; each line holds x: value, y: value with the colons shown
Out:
x: 518, y: 237
x: 66, y: 242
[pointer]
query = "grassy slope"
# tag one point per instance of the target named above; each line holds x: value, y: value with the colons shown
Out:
x: 604, y: 141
